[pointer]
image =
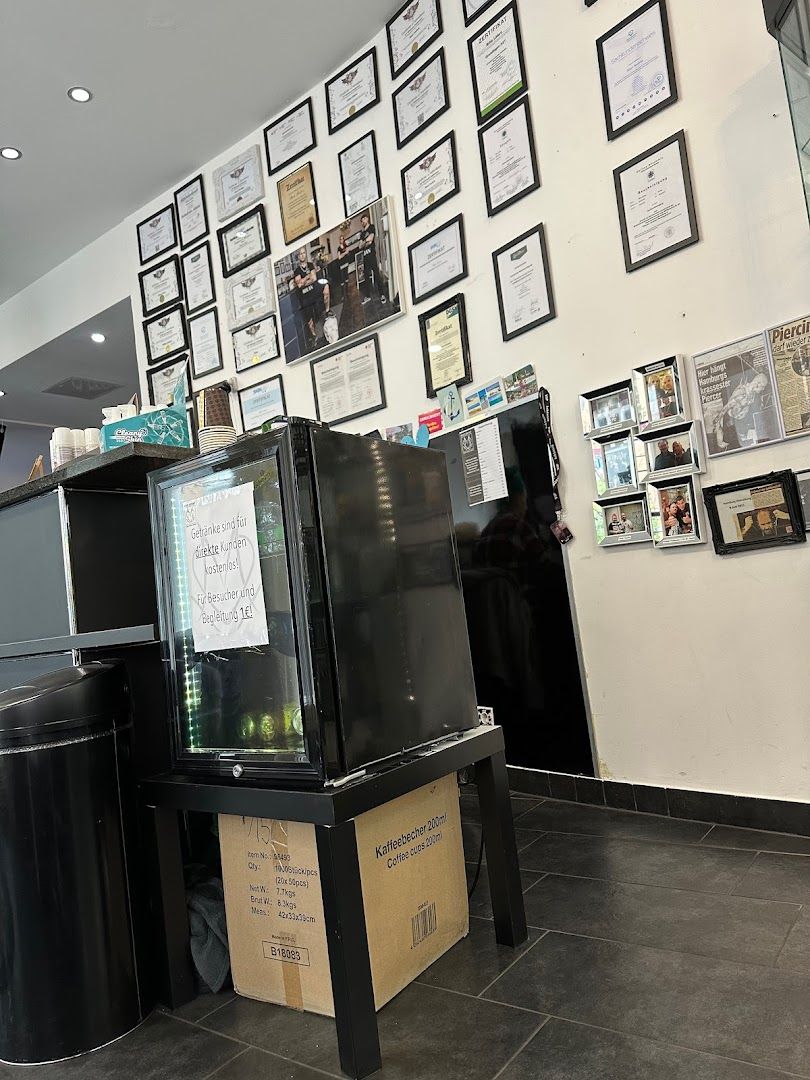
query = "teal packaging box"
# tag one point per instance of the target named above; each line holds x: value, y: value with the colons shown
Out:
x: 163, y: 427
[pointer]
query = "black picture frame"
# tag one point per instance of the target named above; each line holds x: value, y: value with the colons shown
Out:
x: 368, y: 135
x: 457, y: 220
x: 441, y: 57
x: 188, y: 255
x: 396, y: 72
x: 205, y: 315
x: 786, y: 479
x: 680, y: 138
x: 243, y: 329
x: 430, y: 207
x: 146, y: 220
x: 198, y: 179
x: 150, y: 359
x: 273, y: 169
x: 505, y: 102
x: 178, y: 298
x: 521, y: 103
x: 424, y: 319
x: 255, y: 211
x: 614, y: 132
x: 536, y: 230
x: 372, y: 52
x: 470, y: 19
x: 375, y: 338
x: 157, y: 368
x: 289, y: 239
x: 254, y: 386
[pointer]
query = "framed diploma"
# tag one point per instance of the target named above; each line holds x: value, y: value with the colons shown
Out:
x: 496, y: 59
x: 508, y: 157
x: 656, y: 204
x: 290, y: 137
x: 415, y: 26
x: 244, y: 241
x: 192, y: 213
x: 445, y: 345
x: 353, y: 91
x: 256, y: 344
x: 636, y: 68
x: 249, y: 294
x: 523, y: 281
x: 431, y: 179
x: 474, y: 8
x: 438, y: 260
x: 239, y: 183
x: 160, y: 286
x: 198, y: 279
x: 298, y: 203
x: 360, y: 174
x: 156, y: 234
x: 421, y: 100
x: 206, y: 353
x: 162, y: 379
x: 349, y: 383
x: 262, y: 402
x: 165, y: 335
x: 760, y: 512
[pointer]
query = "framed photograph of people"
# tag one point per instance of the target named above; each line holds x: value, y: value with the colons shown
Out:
x: 438, y: 260
x: 803, y: 481
x: 360, y: 174
x: 261, y: 402
x: 621, y: 520
x: 256, y: 344
x: 508, y: 157
x: 758, y: 512
x: 420, y: 100
x: 160, y: 285
x: 165, y: 334
x: 206, y: 352
x: 198, y: 278
x: 675, y: 516
x: 163, y: 378
x: 614, y: 465
x: 290, y: 136
x: 192, y: 212
x: 445, y: 345
x: 243, y: 241
x: 156, y: 234
x: 410, y: 31
x: 431, y: 179
x: 353, y: 91
x: 239, y: 183
x: 660, y: 390
x: 497, y: 63
x: 636, y: 68
x: 340, y: 284
x: 608, y: 409
x: 523, y: 281
x: 349, y: 383
x: 249, y: 294
x: 298, y: 203
x: 670, y: 451
x: 657, y: 213
x: 790, y: 355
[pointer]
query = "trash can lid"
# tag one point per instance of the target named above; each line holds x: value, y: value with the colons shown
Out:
x: 64, y: 704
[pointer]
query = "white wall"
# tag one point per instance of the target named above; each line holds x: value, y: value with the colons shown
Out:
x: 696, y: 665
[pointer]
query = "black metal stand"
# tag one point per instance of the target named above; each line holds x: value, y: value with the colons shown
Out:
x: 333, y: 812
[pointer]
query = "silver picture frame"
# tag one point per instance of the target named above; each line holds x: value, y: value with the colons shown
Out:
x: 661, y: 393
x: 239, y: 183
x: 671, y: 451
x: 608, y: 409
x: 621, y: 520
x: 614, y: 464
x: 675, y: 524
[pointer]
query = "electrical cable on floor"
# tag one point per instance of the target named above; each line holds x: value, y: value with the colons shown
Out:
x: 478, y: 867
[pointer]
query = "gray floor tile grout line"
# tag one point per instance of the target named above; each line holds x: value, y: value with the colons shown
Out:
x: 199, y: 1024
x: 264, y: 1050
x: 515, y: 961
x: 490, y: 1001
x: 216, y: 1009
x: 518, y: 1052
x: 787, y: 937
x: 225, y: 1064
x: 707, y: 834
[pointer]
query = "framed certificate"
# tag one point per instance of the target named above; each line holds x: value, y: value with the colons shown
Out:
x: 431, y: 179
x: 256, y: 344
x: 636, y: 68
x: 239, y: 183
x: 198, y: 279
x: 160, y: 286
x: 656, y: 204
x: 760, y: 512
x: 438, y: 260
x: 523, y: 281
x: 206, y: 353
x: 244, y: 241
x: 162, y: 379
x: 353, y: 91
x: 508, y: 157
x: 422, y: 99
x: 249, y: 294
x: 156, y: 234
x: 445, y: 345
x: 349, y: 383
x: 262, y: 402
x: 165, y: 335
x: 192, y: 213
x: 290, y: 137
x: 360, y: 174
x: 298, y: 203
x: 474, y: 8
x: 415, y: 26
x: 496, y: 60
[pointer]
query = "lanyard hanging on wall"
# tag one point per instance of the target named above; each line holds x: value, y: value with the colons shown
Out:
x: 559, y: 528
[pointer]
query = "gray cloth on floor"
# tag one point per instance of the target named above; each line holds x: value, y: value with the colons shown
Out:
x: 205, y: 901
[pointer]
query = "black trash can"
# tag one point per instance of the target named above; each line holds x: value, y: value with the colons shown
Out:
x: 68, y: 970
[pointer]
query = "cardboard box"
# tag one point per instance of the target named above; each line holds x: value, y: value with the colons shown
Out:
x: 164, y: 427
x: 414, y: 892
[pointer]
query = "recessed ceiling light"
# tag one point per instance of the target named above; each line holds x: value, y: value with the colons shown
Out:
x: 10, y: 153
x: 80, y: 94
x: 98, y: 338
x: 2, y: 393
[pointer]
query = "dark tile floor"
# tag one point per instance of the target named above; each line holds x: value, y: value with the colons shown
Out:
x: 659, y: 950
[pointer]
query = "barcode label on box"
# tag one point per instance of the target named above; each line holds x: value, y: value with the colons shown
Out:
x: 423, y: 924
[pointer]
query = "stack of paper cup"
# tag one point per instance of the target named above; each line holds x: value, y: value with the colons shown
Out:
x: 216, y: 423
x: 62, y: 448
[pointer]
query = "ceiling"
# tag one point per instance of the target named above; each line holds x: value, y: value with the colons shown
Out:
x: 175, y: 83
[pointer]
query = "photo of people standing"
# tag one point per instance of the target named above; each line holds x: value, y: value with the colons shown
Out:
x: 661, y: 397
x: 676, y: 512
x: 339, y: 284
x: 670, y: 453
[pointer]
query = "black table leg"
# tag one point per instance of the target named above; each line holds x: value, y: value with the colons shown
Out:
x: 178, y: 985
x: 499, y: 841
x: 355, y: 1015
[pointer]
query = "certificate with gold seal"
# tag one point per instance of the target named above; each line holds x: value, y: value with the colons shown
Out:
x: 353, y: 91
x: 445, y: 345
x: 431, y: 179
x: 298, y: 204
x: 415, y: 26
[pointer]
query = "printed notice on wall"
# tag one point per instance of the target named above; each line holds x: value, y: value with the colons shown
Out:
x: 482, y: 460
x: 225, y: 581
